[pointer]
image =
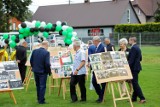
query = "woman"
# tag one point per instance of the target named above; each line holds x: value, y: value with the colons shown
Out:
x: 123, y: 47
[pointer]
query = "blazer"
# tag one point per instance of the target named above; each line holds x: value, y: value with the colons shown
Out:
x: 91, y: 50
x: 40, y: 61
x: 21, y: 54
x: 100, y: 49
x: 134, y: 58
x: 109, y: 47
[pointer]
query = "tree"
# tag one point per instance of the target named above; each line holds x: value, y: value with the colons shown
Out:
x: 157, y: 14
x: 2, y: 19
x: 15, y: 8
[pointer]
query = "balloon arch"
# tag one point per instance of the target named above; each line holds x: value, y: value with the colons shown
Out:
x: 41, y: 30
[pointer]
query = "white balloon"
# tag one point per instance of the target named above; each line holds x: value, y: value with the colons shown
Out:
x: 74, y: 33
x: 64, y: 27
x: 43, y: 24
x: 40, y: 34
x: 58, y: 23
x: 73, y: 38
x: 29, y: 24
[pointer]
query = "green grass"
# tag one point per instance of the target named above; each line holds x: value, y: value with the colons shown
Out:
x: 149, y: 81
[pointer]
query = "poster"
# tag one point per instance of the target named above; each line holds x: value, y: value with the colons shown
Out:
x: 9, y: 76
x: 110, y: 66
x: 62, y: 64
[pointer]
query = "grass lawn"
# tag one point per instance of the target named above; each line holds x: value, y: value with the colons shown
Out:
x: 149, y: 80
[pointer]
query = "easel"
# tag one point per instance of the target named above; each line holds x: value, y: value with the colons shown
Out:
x: 11, y: 95
x: 53, y: 83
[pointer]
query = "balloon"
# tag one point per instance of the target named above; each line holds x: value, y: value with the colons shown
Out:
x: 17, y: 40
x: 74, y: 33
x: 40, y: 34
x: 69, y: 35
x: 64, y: 33
x: 45, y: 34
x: 32, y: 30
x: 36, y: 29
x: 27, y: 30
x: 64, y: 23
x: 13, y: 37
x: 58, y: 23
x: 12, y: 44
x: 60, y: 32
x: 58, y: 27
x: 37, y: 24
x: 68, y: 41
x: 53, y: 28
x: 43, y: 24
x: 6, y: 41
x: 69, y: 29
x: 41, y: 29
x: 64, y: 27
x: 35, y: 33
x: 47, y: 29
x: 21, y: 30
x: 49, y: 25
x: 20, y: 36
x: 5, y: 36
x: 23, y: 25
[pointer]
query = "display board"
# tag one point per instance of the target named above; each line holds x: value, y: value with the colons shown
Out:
x: 9, y: 76
x: 110, y: 66
x: 62, y: 64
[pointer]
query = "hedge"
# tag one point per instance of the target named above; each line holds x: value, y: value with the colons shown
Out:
x: 137, y: 28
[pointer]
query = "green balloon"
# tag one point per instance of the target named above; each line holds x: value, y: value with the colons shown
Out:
x: 21, y: 36
x: 12, y: 44
x: 13, y: 37
x: 49, y: 25
x: 58, y: 28
x: 68, y: 41
x: 64, y: 33
x: 35, y: 33
x: 37, y: 24
x: 5, y: 36
x: 45, y: 34
x: 69, y: 35
x: 27, y: 30
x: 70, y: 29
x: 21, y: 30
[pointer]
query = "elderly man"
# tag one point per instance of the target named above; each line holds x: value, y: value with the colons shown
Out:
x: 40, y: 63
x: 109, y: 46
x: 78, y: 73
x: 100, y: 88
x: 134, y: 59
x: 21, y: 58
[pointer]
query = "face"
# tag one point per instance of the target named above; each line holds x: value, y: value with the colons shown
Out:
x: 25, y: 44
x: 122, y: 45
x: 130, y: 41
x: 95, y: 42
x: 107, y: 42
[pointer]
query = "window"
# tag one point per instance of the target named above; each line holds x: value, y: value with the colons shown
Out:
x: 128, y: 16
x: 95, y: 32
x: 139, y: 12
x: 14, y: 26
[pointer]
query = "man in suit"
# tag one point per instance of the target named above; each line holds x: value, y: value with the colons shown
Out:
x: 21, y: 58
x: 40, y: 63
x: 109, y: 46
x: 134, y: 59
x: 100, y: 88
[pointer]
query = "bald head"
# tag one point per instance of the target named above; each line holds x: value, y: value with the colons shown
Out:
x: 45, y: 44
x: 23, y: 43
x: 107, y: 41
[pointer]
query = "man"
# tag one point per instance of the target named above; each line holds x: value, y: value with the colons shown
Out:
x: 40, y: 63
x: 78, y: 73
x: 134, y: 60
x: 109, y: 46
x: 21, y: 58
x: 99, y: 88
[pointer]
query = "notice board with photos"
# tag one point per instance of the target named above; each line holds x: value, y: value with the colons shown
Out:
x: 10, y: 78
x: 110, y: 66
x: 62, y: 64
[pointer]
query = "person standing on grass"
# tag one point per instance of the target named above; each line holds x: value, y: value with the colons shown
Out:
x: 21, y: 58
x: 134, y: 59
x: 40, y: 63
x: 78, y: 73
x: 123, y: 47
x: 109, y: 46
x: 100, y: 88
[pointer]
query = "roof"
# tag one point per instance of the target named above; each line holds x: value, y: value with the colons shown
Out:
x: 149, y: 7
x: 106, y: 13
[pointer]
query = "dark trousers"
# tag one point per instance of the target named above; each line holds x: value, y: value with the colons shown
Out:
x: 137, y: 89
x: 40, y: 79
x: 100, y: 88
x: 22, y: 69
x: 80, y: 79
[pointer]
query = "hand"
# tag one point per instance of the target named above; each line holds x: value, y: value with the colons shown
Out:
x: 75, y: 72
x: 88, y: 65
x: 18, y: 61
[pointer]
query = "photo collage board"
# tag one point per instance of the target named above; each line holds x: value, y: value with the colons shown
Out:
x: 62, y: 64
x: 110, y: 66
x: 10, y: 78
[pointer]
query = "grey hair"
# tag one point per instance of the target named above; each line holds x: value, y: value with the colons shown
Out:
x: 133, y: 38
x: 90, y: 42
x: 124, y: 41
x: 77, y: 43
x: 21, y: 42
x: 107, y: 39
x: 97, y: 38
x: 44, y: 43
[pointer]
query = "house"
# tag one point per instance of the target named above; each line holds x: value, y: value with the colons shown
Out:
x: 90, y: 19
x: 14, y: 22
x: 145, y: 9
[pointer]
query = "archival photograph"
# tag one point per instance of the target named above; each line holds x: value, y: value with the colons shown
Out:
x: 4, y: 85
x: 10, y: 65
x: 123, y: 72
x: 108, y: 64
x: 115, y: 55
x: 95, y: 58
x: 106, y: 56
x: 97, y: 66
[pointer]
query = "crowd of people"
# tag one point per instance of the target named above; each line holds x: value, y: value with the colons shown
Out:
x: 40, y: 63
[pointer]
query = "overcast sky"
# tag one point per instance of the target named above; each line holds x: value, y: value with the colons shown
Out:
x: 35, y: 3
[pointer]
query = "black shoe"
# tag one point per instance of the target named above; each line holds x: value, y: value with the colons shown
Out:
x: 73, y: 101
x: 99, y: 101
x: 82, y: 100
x: 134, y: 100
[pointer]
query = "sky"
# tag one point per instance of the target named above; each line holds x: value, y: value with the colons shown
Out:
x: 35, y: 3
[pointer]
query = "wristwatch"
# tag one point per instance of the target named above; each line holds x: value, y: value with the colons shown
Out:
x: 77, y: 69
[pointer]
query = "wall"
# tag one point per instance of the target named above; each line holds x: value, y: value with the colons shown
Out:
x: 142, y: 16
